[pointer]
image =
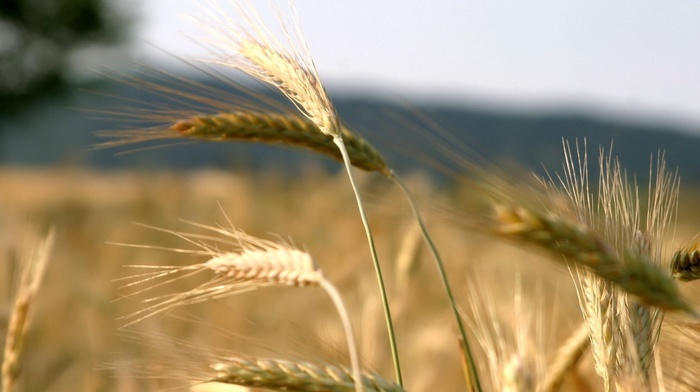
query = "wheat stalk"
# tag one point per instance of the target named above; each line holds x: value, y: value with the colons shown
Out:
x: 291, y: 70
x: 31, y: 276
x: 469, y: 365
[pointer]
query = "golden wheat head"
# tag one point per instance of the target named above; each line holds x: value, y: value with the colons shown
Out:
x: 285, y: 66
x: 252, y: 263
x: 282, y: 375
x: 685, y: 264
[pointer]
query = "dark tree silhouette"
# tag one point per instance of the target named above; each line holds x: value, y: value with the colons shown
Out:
x: 37, y: 38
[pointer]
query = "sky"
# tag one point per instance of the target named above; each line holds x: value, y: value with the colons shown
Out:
x: 635, y: 58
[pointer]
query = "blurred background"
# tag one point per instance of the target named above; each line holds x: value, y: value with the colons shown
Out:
x: 498, y: 75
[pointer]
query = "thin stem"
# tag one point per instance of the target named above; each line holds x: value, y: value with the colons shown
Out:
x: 338, y: 140
x: 347, y: 325
x: 471, y: 373
x: 567, y: 358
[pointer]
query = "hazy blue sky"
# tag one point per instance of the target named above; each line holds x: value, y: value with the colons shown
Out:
x: 628, y: 56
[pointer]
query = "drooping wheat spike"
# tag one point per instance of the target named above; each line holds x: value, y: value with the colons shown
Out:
x: 553, y: 233
x: 685, y: 264
x: 282, y: 375
x: 624, y: 330
x: 634, y: 273
x: 514, y: 345
x: 237, y: 121
x: 31, y: 275
x: 252, y: 264
x: 252, y: 48
x: 284, y: 129
x: 623, y: 289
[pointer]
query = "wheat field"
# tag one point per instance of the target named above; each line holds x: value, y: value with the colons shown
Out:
x: 76, y: 343
x: 362, y: 280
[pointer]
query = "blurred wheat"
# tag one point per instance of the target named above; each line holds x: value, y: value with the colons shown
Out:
x: 612, y: 235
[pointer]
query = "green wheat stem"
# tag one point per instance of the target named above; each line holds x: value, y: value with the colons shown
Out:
x: 338, y: 140
x: 471, y: 372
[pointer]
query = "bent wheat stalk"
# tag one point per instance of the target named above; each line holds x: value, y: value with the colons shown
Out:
x: 293, y: 73
x: 291, y: 70
x: 637, y: 274
x: 290, y: 129
x: 471, y: 374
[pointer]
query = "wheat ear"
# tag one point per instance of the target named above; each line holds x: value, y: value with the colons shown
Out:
x: 598, y: 301
x: 282, y: 375
x: 291, y: 70
x: 685, y: 264
x: 31, y: 275
x: 513, y: 346
x: 256, y: 263
x: 637, y: 275
x: 624, y: 332
x: 260, y: 127
x: 286, y: 129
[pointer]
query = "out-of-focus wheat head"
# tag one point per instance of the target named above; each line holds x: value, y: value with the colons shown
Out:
x: 252, y: 263
x: 514, y: 345
x: 31, y: 274
x: 249, y: 263
x: 615, y: 246
x: 282, y: 375
x: 221, y: 369
x: 623, y: 331
x: 685, y: 264
x: 247, y: 44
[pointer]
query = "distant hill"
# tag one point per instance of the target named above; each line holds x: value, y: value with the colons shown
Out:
x: 62, y: 132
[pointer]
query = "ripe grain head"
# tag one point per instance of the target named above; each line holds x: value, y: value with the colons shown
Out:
x: 685, y: 264
x: 250, y: 263
x: 624, y: 327
x: 283, y: 375
x: 284, y: 64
